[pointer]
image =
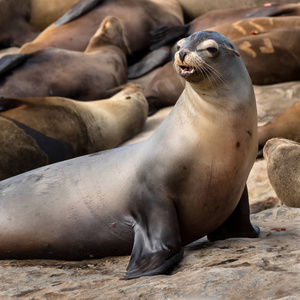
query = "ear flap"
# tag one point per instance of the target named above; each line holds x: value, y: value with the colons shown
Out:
x: 232, y: 50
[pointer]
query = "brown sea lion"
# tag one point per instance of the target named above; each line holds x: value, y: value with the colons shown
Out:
x: 164, y: 88
x: 194, y: 8
x: 43, y: 13
x: 38, y: 131
x: 14, y: 23
x: 255, y: 26
x: 271, y: 57
x: 264, y: 54
x: 283, y: 165
x: 216, y: 18
x: 139, y: 17
x: 70, y: 74
x: 286, y: 125
x: 152, y: 197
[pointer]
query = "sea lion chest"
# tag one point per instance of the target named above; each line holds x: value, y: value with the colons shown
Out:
x: 201, y: 162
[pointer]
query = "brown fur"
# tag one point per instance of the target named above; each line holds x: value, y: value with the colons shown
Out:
x: 283, y: 160
x: 14, y: 23
x: 81, y: 76
x: 86, y: 127
x: 138, y: 17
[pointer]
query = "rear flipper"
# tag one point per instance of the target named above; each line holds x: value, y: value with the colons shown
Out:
x: 157, y: 244
x: 10, y: 61
x: 238, y: 224
x: 164, y: 35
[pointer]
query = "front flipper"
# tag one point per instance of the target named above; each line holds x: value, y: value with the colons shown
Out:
x: 164, y: 35
x: 157, y: 244
x: 238, y: 224
x: 152, y: 60
x: 77, y: 10
x: 10, y: 61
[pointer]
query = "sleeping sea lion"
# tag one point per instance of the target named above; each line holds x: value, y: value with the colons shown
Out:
x: 216, y: 18
x: 39, y: 131
x: 74, y: 29
x: 151, y: 198
x: 70, y: 74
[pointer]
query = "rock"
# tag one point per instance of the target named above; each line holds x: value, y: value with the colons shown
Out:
x: 261, y: 193
x: 274, y: 99
x: 264, y: 268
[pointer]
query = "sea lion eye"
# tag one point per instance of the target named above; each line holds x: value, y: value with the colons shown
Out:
x: 212, y: 50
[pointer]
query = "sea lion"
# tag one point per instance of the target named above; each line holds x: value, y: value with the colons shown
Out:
x: 184, y: 182
x: 194, y: 8
x: 214, y: 20
x: 73, y: 30
x: 286, y: 125
x: 43, y: 13
x: 71, y: 74
x: 38, y: 131
x: 265, y: 54
x: 282, y: 156
x: 14, y: 23
x: 163, y: 89
x: 255, y: 26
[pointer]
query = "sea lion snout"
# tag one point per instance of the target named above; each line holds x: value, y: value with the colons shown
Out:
x: 182, y: 54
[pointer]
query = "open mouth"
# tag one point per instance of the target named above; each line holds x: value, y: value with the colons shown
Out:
x: 186, y: 71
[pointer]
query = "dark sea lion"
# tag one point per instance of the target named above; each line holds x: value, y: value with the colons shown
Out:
x: 286, y: 125
x: 265, y: 55
x: 283, y: 162
x: 166, y: 34
x: 14, y: 23
x: 38, y: 131
x: 184, y: 182
x: 139, y: 17
x: 70, y: 74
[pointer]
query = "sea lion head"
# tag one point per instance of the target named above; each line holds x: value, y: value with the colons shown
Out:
x: 201, y: 55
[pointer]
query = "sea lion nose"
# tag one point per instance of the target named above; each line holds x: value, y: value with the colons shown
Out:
x: 182, y: 54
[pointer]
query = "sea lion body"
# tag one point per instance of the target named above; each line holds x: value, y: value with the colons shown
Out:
x: 137, y: 17
x: 255, y: 26
x: 186, y: 181
x: 286, y: 125
x: 266, y: 53
x: 39, y: 131
x: 14, y: 23
x: 43, y: 13
x: 71, y: 74
x: 194, y: 8
x: 220, y: 20
x: 282, y: 156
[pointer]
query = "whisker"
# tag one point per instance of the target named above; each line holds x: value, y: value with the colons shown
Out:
x: 216, y: 73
